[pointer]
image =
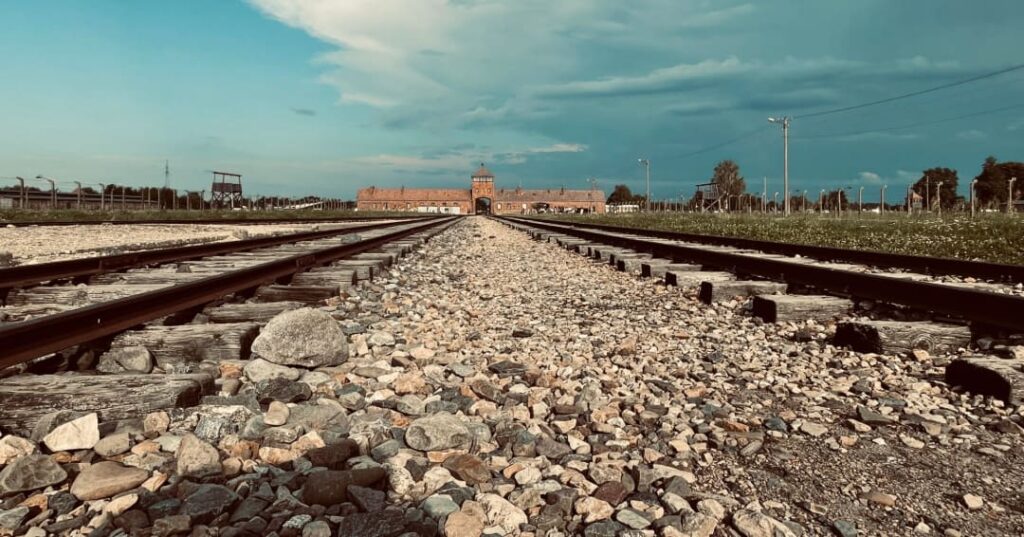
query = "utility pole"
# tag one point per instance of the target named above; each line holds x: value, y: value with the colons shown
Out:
x: 927, y: 193
x: 21, y: 196
x: 974, y: 182
x: 785, y: 157
x: 1009, y: 195
x: 764, y: 196
x: 647, y: 165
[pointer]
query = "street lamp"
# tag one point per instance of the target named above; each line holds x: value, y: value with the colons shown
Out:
x: 53, y: 191
x: 1009, y: 195
x: 821, y: 201
x: 804, y: 198
x: 775, y: 201
x: 647, y: 165
x: 860, y: 200
x: 22, y: 196
x: 785, y: 156
x: 79, y: 185
x: 938, y: 196
x: 973, y: 183
x: 881, y: 206
x: 103, y: 195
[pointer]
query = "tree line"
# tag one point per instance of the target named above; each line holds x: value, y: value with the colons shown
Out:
x: 936, y: 187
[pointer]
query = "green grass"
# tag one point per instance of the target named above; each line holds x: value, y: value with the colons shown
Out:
x: 17, y: 215
x: 989, y: 237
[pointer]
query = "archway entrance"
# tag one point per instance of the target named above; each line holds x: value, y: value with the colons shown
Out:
x: 482, y: 206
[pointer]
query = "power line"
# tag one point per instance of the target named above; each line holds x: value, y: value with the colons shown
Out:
x: 913, y: 93
x: 912, y: 125
x: 739, y: 138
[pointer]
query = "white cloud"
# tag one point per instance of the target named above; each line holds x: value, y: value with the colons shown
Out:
x: 461, y: 159
x: 971, y: 134
x: 870, y: 177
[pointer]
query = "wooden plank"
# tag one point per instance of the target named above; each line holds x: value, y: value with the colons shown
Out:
x: 711, y: 292
x: 307, y: 294
x: 781, y: 308
x: 691, y: 278
x: 989, y: 375
x: 898, y: 337
x: 76, y: 295
x: 658, y: 270
x: 333, y: 277
x: 386, y: 258
x: 257, y: 312
x: 173, y: 346
x: 24, y: 399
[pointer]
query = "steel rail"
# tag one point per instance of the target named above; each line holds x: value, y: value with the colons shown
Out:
x: 24, y: 275
x: 203, y: 221
x: 26, y: 340
x: 1005, y: 311
x: 915, y: 263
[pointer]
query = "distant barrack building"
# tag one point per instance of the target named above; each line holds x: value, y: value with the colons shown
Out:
x: 480, y: 198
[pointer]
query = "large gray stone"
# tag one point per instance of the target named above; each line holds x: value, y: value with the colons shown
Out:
x: 81, y: 433
x: 197, y: 458
x: 259, y: 370
x: 304, y: 337
x: 31, y: 472
x: 131, y: 359
x: 440, y: 431
x: 105, y: 479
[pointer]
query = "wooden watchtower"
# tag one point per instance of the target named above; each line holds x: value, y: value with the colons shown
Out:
x: 226, y: 190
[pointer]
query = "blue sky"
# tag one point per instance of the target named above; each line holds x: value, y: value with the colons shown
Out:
x: 323, y: 97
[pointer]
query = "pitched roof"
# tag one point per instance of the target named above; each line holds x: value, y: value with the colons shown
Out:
x: 516, y: 195
x: 483, y: 172
x: 413, y: 194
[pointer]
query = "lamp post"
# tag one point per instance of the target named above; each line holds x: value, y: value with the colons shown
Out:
x: 775, y: 202
x: 647, y: 166
x: 79, y: 185
x: 53, y: 190
x: 103, y: 195
x: 804, y: 197
x: 910, y: 195
x: 860, y: 200
x: 1009, y: 195
x: 21, y: 195
x: 821, y: 201
x: 764, y: 196
x: 881, y: 206
x: 785, y: 157
x: 938, y: 196
x: 974, y: 182
x: 927, y: 193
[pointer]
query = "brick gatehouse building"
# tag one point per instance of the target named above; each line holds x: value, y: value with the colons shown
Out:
x: 481, y: 198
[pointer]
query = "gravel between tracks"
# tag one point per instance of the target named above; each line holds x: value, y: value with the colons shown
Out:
x: 499, y: 386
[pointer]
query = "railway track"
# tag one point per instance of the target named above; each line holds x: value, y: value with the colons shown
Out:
x: 201, y: 221
x: 933, y: 316
x: 286, y: 270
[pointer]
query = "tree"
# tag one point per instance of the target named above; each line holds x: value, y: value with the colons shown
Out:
x: 928, y: 185
x: 993, y: 181
x: 621, y: 194
x: 727, y: 177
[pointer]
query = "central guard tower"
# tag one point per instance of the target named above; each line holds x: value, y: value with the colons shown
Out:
x: 483, y: 190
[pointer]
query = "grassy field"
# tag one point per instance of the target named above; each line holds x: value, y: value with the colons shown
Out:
x: 16, y: 215
x: 991, y: 237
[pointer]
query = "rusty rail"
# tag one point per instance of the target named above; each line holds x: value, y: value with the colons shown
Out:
x: 995, y: 309
x: 26, y: 340
x: 25, y: 275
